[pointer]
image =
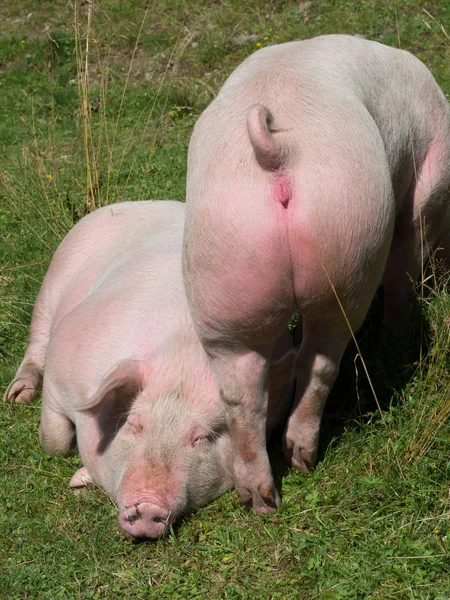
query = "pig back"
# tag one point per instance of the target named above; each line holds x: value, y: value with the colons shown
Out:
x: 103, y: 238
x: 128, y: 303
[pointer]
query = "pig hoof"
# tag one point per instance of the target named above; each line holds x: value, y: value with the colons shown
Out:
x: 265, y: 501
x: 20, y: 391
x: 302, y: 460
x: 80, y: 480
x: 254, y: 486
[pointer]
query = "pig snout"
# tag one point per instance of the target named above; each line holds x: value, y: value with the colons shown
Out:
x: 145, y: 520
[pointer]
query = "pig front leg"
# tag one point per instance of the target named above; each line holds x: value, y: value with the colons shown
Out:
x: 29, y: 375
x: 80, y: 480
x: 402, y: 269
x: 56, y: 431
x: 25, y: 383
x: 243, y: 383
x: 421, y: 227
x: 407, y: 257
x: 317, y: 367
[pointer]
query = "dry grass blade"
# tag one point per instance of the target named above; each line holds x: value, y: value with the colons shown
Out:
x: 82, y: 59
x: 123, y: 98
x: 150, y: 114
x: 35, y: 156
x: 445, y: 38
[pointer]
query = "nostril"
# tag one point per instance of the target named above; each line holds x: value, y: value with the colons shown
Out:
x: 160, y: 519
x: 134, y: 514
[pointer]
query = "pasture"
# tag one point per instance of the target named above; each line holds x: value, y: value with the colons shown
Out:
x: 97, y: 104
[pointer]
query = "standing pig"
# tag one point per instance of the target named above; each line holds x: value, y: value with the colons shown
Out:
x: 124, y: 375
x: 321, y: 165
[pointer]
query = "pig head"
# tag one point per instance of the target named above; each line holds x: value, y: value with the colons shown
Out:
x: 159, y: 451
x: 163, y: 450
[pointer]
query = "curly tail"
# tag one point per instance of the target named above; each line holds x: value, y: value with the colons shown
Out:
x: 271, y: 152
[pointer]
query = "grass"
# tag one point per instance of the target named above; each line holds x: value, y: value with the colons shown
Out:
x: 98, y: 107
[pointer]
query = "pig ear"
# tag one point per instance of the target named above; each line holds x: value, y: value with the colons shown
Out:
x: 128, y: 374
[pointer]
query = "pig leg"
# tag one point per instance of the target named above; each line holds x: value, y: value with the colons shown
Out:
x: 81, y: 479
x: 443, y: 249
x: 419, y: 229
x: 402, y: 268
x: 56, y: 432
x: 29, y: 375
x: 25, y: 383
x: 243, y: 385
x: 317, y: 368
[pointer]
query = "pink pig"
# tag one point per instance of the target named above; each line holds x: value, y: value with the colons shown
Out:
x: 125, y: 377
x: 320, y: 166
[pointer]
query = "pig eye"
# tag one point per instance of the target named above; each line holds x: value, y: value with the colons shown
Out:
x: 199, y: 441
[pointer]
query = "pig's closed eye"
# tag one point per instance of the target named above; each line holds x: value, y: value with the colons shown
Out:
x: 201, y: 441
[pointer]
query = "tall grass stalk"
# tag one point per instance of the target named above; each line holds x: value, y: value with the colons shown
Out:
x: 82, y: 47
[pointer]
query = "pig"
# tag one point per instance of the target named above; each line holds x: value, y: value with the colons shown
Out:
x: 320, y: 166
x: 125, y: 377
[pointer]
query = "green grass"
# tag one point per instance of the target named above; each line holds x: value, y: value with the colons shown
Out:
x: 373, y: 520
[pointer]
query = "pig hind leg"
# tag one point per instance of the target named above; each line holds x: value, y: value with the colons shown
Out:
x: 443, y: 249
x: 243, y: 383
x: 420, y: 228
x: 317, y: 367
x: 29, y: 375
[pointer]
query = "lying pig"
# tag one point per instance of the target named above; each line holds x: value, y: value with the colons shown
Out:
x: 124, y: 375
x: 320, y: 166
